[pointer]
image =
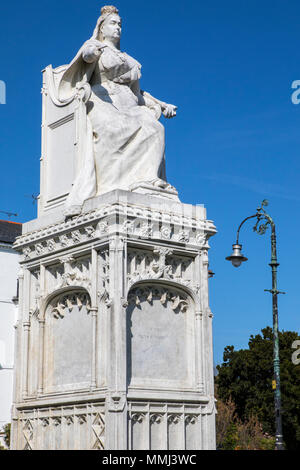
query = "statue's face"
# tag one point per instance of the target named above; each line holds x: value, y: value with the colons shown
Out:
x: 112, y: 28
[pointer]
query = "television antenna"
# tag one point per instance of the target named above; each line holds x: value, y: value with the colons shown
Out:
x: 9, y: 214
x: 34, y: 198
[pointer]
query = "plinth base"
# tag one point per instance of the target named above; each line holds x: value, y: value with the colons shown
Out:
x: 114, y: 339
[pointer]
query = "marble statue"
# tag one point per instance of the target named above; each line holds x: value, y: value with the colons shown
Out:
x: 114, y: 344
x: 126, y: 141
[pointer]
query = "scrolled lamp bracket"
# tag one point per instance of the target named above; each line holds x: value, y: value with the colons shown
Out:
x: 237, y: 258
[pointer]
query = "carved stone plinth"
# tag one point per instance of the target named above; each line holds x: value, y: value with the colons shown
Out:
x: 114, y: 338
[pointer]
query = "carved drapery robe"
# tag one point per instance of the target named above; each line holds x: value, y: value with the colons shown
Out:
x: 125, y: 142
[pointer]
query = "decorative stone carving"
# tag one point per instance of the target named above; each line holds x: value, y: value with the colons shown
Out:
x: 179, y: 301
x: 81, y: 419
x: 104, y: 297
x: 160, y: 264
x: 98, y: 428
x: 64, y: 240
x: 27, y: 252
x: 56, y: 428
x: 183, y: 424
x: 191, y: 419
x: 69, y: 302
x: 160, y: 268
x: 72, y: 273
x: 104, y: 274
x: 156, y: 418
x: 128, y: 226
x: 59, y: 236
x: 184, y: 236
x: 166, y: 232
x: 201, y: 239
x: 174, y: 419
x: 137, y: 418
x: 146, y: 230
x: 69, y: 420
x: 76, y: 236
x: 39, y: 249
x: 28, y: 435
x: 45, y: 422
x: 56, y: 421
x: 90, y: 231
x: 103, y: 227
x: 116, y: 402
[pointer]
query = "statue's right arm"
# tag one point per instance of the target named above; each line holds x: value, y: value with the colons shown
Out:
x: 92, y: 50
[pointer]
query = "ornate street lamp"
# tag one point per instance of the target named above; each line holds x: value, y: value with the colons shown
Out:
x: 263, y: 220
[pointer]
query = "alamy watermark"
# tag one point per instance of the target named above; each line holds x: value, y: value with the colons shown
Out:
x: 296, y: 94
x: 2, y: 92
x: 296, y: 354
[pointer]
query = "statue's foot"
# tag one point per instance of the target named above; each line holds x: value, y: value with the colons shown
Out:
x: 159, y: 183
x: 156, y: 187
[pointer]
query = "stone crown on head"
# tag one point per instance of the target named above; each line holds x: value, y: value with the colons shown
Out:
x: 108, y: 10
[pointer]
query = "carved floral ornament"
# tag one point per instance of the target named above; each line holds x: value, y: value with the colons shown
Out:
x: 93, y: 224
x: 76, y: 237
x: 73, y: 273
x: 65, y: 240
x: 178, y: 301
x: 159, y: 264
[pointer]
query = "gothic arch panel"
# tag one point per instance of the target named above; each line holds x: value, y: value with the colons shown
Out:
x: 68, y: 342
x: 160, y: 337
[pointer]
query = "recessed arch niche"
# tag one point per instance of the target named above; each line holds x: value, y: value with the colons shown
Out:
x: 68, y: 341
x: 160, y: 326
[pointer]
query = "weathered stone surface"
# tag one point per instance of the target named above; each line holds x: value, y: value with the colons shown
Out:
x: 114, y: 314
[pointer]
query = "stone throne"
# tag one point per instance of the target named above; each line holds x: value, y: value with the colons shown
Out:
x: 63, y: 140
x: 114, y: 337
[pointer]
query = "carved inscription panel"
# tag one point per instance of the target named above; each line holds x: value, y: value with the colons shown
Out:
x: 160, y: 337
x: 68, y: 327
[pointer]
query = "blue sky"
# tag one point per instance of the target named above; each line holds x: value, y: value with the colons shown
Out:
x: 228, y: 66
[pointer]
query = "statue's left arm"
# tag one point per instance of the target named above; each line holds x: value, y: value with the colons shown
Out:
x: 168, y: 110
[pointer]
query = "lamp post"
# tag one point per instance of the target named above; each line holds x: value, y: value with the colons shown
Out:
x: 263, y: 220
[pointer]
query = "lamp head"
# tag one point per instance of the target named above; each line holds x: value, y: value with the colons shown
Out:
x: 236, y: 258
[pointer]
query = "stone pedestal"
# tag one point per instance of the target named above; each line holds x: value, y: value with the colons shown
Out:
x: 114, y: 338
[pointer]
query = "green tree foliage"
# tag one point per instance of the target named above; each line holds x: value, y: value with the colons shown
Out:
x: 6, y: 431
x: 245, y: 377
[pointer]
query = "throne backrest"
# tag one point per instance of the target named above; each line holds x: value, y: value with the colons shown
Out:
x: 60, y: 143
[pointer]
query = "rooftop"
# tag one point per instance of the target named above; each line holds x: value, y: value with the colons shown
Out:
x: 9, y: 231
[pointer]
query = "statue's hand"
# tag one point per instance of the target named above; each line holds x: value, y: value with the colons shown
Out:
x: 97, y: 44
x: 92, y: 50
x: 169, y: 111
